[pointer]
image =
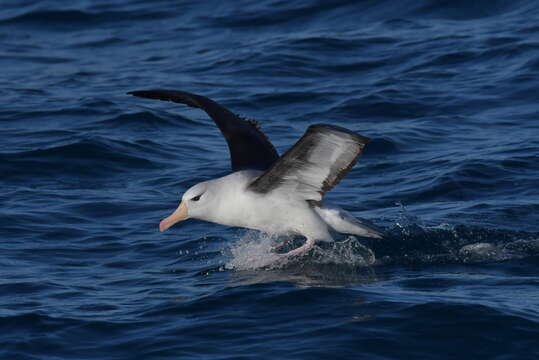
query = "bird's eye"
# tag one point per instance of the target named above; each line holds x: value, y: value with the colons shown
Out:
x: 196, y: 198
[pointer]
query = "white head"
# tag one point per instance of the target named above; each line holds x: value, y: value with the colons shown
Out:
x: 196, y: 203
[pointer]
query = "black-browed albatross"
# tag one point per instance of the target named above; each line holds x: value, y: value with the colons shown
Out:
x: 277, y: 195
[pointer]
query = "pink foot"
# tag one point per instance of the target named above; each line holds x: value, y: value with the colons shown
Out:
x: 302, y: 250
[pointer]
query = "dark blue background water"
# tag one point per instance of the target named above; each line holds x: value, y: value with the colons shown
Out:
x: 448, y: 90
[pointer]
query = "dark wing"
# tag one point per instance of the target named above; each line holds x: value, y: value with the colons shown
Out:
x: 315, y: 164
x: 249, y: 147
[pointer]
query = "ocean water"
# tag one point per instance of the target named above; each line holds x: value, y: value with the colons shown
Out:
x: 447, y: 90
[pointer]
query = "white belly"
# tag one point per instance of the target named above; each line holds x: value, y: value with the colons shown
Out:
x: 278, y: 216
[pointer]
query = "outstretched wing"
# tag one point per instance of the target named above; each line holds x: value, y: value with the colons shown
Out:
x: 315, y: 164
x: 249, y: 147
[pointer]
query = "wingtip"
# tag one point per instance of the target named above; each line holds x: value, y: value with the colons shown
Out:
x: 330, y: 127
x: 378, y: 235
x: 176, y: 96
x: 373, y: 230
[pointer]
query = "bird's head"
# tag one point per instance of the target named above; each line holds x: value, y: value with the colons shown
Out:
x: 195, y: 203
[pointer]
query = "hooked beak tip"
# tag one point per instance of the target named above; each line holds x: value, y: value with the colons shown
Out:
x: 162, y: 226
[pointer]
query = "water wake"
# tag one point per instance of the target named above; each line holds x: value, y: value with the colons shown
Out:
x: 405, y: 244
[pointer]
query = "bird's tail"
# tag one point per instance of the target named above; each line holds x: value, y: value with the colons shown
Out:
x: 342, y: 221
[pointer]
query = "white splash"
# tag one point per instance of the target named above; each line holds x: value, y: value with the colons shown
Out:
x: 349, y: 252
x: 255, y: 250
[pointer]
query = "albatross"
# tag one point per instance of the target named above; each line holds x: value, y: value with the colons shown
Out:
x: 280, y: 195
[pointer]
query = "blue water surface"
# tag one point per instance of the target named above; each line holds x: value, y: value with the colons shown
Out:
x: 447, y: 90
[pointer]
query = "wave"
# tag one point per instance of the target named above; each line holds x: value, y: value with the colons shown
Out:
x: 57, y: 20
x: 405, y: 244
x: 149, y: 120
x: 36, y: 59
x: 82, y: 158
x: 262, y: 14
x: 472, y: 180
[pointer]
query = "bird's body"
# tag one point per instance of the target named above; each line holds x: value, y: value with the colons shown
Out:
x: 279, y: 213
x: 265, y: 192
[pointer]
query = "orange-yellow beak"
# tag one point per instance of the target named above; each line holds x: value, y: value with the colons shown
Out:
x: 178, y: 215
